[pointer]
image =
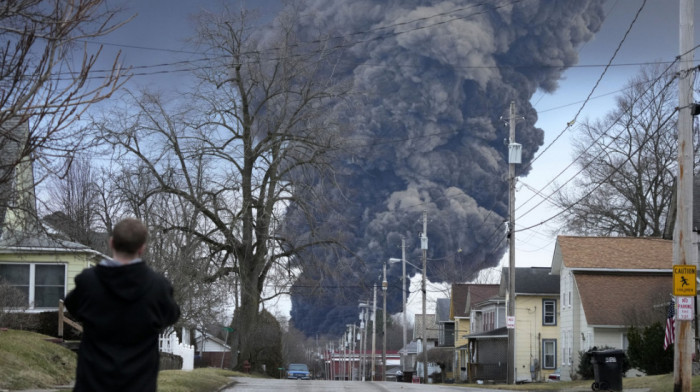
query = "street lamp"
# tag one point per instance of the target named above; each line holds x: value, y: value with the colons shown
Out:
x: 385, y: 285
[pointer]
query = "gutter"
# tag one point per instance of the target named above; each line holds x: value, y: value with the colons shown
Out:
x: 19, y: 249
x: 627, y: 270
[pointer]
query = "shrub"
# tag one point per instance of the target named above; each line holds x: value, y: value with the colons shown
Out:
x: 646, y: 351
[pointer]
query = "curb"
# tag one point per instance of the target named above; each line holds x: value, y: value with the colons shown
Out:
x: 227, y: 386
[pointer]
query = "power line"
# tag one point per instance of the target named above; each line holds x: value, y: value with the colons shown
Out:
x: 603, y: 134
x: 595, y: 86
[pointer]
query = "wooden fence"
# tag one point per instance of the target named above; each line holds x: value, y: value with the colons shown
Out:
x: 62, y: 319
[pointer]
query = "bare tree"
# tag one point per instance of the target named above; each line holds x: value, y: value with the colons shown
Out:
x: 627, y: 163
x: 73, y: 205
x: 48, y: 78
x: 236, y: 152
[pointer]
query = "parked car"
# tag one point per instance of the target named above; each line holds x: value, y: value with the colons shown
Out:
x: 556, y: 376
x: 298, y: 371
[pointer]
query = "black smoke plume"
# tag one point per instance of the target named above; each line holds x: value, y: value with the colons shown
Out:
x: 435, y: 80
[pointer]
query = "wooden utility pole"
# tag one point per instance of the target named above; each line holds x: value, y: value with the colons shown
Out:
x: 374, y: 329
x: 403, y: 294
x: 682, y: 245
x: 385, y: 285
x: 511, y: 242
x: 424, y: 248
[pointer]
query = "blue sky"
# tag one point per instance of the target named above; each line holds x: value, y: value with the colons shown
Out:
x: 654, y: 37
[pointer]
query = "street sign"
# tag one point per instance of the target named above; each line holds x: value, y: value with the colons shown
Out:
x: 685, y: 308
x: 510, y: 322
x: 684, y: 280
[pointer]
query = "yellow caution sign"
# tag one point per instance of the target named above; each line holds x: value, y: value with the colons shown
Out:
x: 684, y: 280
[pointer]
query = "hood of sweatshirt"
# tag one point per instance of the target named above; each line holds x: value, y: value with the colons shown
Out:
x: 129, y: 282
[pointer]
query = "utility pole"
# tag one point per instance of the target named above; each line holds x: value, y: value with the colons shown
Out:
x: 424, y: 248
x: 513, y: 158
x: 385, y: 285
x: 374, y: 329
x: 364, y: 341
x: 353, y: 355
x: 403, y: 292
x: 682, y: 245
x: 363, y: 328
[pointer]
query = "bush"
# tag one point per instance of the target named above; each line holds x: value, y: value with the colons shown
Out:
x: 45, y: 323
x: 12, y: 303
x: 585, y: 367
x: 646, y: 351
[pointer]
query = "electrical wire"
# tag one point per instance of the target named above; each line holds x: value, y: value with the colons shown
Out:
x: 595, y: 86
x: 603, y: 134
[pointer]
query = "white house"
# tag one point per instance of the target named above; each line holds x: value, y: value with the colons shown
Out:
x: 605, y: 283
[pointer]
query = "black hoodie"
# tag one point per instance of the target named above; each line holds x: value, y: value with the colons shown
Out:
x: 123, y: 310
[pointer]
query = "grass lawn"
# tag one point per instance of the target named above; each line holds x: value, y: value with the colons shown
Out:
x: 660, y: 383
x: 27, y: 361
x: 198, y: 380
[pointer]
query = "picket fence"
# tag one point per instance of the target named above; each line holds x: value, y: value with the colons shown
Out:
x: 171, y: 344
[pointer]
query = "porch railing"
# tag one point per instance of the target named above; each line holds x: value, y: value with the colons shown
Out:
x: 62, y: 319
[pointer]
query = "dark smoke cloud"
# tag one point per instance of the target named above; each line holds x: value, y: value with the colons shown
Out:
x: 429, y: 134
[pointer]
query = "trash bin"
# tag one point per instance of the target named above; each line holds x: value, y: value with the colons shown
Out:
x: 607, y: 368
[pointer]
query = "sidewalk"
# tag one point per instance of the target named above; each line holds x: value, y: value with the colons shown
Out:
x: 57, y: 388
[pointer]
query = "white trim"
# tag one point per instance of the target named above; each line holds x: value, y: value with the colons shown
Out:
x: 22, y: 249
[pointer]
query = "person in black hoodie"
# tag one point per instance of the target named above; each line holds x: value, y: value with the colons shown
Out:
x: 123, y: 305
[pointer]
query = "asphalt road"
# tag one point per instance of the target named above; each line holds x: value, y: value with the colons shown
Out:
x: 244, y: 384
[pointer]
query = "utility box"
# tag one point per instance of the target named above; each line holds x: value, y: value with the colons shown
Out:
x: 607, y: 368
x: 515, y: 153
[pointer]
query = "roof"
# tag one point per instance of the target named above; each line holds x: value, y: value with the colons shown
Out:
x: 465, y: 295
x: 479, y: 293
x: 492, y: 334
x: 459, y: 300
x: 531, y: 281
x: 17, y: 241
x: 613, y: 253
x: 431, y: 328
x: 410, y: 348
x: 442, y: 310
x: 623, y: 295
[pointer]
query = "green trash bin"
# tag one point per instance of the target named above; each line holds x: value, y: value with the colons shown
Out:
x: 607, y: 368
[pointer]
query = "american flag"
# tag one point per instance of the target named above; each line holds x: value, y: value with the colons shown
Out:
x: 670, y: 334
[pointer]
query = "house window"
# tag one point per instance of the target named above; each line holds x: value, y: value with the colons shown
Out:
x: 41, y: 285
x: 549, y: 312
x: 549, y: 353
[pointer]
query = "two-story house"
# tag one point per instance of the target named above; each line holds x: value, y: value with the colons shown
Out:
x: 461, y: 299
x: 429, y: 342
x: 446, y: 336
x: 606, y: 282
x: 40, y: 267
x: 460, y: 316
x: 446, y: 326
x: 487, y: 345
x: 536, y: 322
